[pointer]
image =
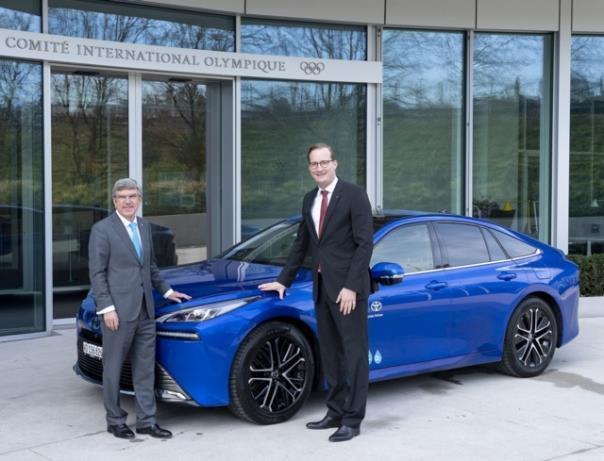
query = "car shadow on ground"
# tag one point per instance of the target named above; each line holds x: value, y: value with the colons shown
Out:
x: 438, y: 383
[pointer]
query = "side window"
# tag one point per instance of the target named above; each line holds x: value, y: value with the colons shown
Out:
x: 514, y: 247
x: 409, y: 246
x: 464, y: 244
x: 495, y: 250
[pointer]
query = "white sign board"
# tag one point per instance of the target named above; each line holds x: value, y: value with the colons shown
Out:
x: 82, y: 51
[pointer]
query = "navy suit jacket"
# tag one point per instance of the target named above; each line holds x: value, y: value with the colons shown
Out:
x: 344, y: 250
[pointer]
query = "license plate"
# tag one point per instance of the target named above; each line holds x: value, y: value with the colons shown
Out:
x: 92, y: 350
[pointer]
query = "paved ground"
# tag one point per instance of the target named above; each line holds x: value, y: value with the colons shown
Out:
x: 47, y: 413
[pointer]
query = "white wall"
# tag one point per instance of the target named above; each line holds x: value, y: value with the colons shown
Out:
x: 432, y: 13
x: 518, y: 15
x: 359, y: 11
x: 588, y: 16
x: 220, y: 6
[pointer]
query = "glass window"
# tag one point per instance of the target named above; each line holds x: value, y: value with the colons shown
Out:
x: 423, y: 120
x: 21, y: 199
x: 409, y: 246
x: 463, y: 243
x: 175, y: 117
x: 20, y: 15
x: 495, y: 250
x: 514, y: 247
x: 280, y: 120
x: 586, y: 201
x: 512, y: 130
x: 89, y: 153
x: 327, y: 41
x: 119, y: 22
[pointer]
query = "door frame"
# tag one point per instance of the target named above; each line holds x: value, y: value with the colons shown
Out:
x: 222, y: 148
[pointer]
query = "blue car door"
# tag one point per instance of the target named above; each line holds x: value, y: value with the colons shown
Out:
x: 409, y: 322
x: 482, y: 284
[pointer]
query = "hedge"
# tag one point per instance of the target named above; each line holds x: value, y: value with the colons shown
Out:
x: 592, y: 273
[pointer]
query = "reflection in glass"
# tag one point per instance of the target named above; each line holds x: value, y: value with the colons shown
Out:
x: 586, y: 202
x: 408, y: 246
x: 512, y: 128
x: 327, y: 41
x: 21, y: 199
x: 279, y: 121
x: 271, y: 246
x: 20, y: 15
x: 423, y: 120
x: 174, y: 169
x: 89, y: 153
x: 120, y: 22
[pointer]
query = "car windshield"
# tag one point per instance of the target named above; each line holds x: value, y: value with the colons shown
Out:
x: 271, y: 246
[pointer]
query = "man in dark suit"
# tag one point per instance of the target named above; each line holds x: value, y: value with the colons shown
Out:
x: 122, y: 274
x: 337, y: 230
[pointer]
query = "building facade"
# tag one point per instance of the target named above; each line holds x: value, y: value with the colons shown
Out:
x: 477, y: 107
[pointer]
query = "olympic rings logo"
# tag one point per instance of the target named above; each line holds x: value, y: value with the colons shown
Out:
x: 312, y: 68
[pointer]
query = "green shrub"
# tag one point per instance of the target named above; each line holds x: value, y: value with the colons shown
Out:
x: 592, y: 273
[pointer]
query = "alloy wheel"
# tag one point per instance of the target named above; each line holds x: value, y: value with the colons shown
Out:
x: 277, y: 374
x: 533, y: 337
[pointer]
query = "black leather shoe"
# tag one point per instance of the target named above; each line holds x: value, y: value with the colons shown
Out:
x: 344, y: 433
x: 121, y: 431
x: 326, y: 423
x: 154, y: 431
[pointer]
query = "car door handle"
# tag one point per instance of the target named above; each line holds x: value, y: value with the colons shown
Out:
x: 506, y: 276
x: 436, y: 285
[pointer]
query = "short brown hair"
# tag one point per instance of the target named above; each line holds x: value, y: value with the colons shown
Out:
x: 321, y: 145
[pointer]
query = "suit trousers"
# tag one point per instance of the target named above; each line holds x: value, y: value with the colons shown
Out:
x: 134, y: 339
x: 344, y: 348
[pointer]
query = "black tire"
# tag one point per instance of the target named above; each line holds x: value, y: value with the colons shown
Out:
x: 530, y: 340
x: 272, y: 374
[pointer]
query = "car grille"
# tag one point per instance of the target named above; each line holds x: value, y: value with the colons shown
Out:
x: 93, y: 368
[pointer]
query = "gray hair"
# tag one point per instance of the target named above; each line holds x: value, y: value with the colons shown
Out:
x: 126, y: 184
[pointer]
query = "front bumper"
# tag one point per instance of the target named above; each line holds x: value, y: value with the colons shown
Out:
x: 90, y: 368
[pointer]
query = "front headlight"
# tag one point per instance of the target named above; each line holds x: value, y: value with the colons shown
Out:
x: 208, y: 312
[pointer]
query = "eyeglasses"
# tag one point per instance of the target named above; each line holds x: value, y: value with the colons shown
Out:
x: 322, y: 164
x: 123, y: 198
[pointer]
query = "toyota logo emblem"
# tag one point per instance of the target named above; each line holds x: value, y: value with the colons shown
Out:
x: 376, y: 306
x: 312, y: 68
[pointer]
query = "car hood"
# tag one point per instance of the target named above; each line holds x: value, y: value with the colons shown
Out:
x: 215, y: 280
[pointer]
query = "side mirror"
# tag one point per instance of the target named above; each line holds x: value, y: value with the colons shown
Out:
x: 387, y: 273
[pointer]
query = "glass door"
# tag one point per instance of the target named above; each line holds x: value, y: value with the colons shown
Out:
x: 175, y: 116
x: 21, y: 199
x: 89, y: 118
x: 93, y: 115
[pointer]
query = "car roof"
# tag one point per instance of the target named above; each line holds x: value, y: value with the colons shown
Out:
x: 385, y: 217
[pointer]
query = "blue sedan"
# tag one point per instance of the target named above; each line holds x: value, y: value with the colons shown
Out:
x: 453, y: 292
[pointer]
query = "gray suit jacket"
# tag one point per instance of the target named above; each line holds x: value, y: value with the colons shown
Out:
x: 117, y: 276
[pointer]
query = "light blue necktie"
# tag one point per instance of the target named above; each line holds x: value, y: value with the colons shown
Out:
x: 136, y: 241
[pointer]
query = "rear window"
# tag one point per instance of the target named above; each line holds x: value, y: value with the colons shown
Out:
x: 513, y: 246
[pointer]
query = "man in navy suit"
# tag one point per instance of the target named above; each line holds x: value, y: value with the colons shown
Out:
x: 337, y: 231
x: 123, y: 274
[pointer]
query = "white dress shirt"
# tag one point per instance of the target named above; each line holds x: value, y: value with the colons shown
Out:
x: 316, y: 208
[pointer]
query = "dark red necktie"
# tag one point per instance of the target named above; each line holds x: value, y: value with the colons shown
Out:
x: 323, y: 211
